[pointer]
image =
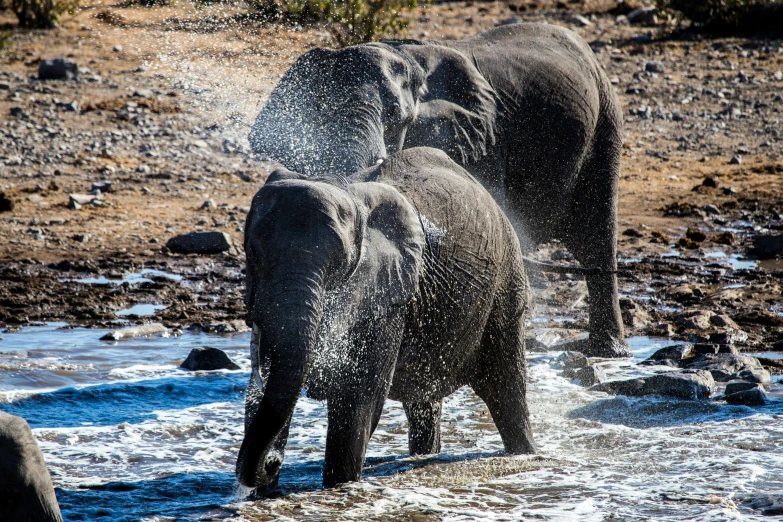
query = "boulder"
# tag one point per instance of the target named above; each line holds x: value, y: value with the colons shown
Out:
x: 212, y: 242
x: 235, y: 326
x: 694, y: 320
x: 713, y: 348
x: 723, y: 366
x: 734, y: 387
x: 58, y: 69
x: 634, y: 315
x: 206, y: 358
x: 572, y: 360
x: 137, y: 331
x: 767, y: 247
x: 691, y: 385
x: 676, y: 352
x: 755, y: 375
x: 729, y: 337
x: 589, y: 376
x: 752, y: 397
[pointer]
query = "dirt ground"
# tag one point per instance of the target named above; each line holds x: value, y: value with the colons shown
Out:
x: 161, y: 110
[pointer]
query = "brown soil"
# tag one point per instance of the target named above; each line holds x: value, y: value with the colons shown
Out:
x: 163, y: 108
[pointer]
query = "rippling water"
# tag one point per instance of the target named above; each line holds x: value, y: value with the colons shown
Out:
x: 129, y: 436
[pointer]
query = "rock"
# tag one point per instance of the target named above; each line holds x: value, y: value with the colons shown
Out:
x: 755, y: 375
x: 654, y: 67
x: 208, y: 204
x: 767, y: 247
x: 723, y: 320
x: 735, y: 160
x: 694, y: 234
x: 6, y: 204
x: 510, y: 21
x: 76, y: 201
x: 643, y: 16
x: 17, y: 112
x: 137, y: 331
x: 661, y: 330
x: 753, y: 397
x: 694, y: 320
x: 713, y: 349
x: 778, y: 75
x: 81, y: 238
x: 723, y: 366
x: 724, y: 238
x: 580, y: 20
x: 778, y: 345
x: 211, y: 242
x: 632, y: 232
x: 693, y: 385
x: 734, y: 387
x: 589, y: 376
x: 711, y: 209
x: 571, y: 360
x: 226, y: 327
x: 634, y: 315
x: 102, y: 186
x: 58, y: 69
x: 729, y: 337
x: 660, y: 237
x: 676, y: 352
x: 205, y: 358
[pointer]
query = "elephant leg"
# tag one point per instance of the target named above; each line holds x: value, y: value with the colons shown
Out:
x: 500, y: 374
x: 423, y: 427
x: 592, y: 239
x: 355, y: 404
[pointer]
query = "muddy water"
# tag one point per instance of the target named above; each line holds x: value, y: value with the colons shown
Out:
x: 128, y: 436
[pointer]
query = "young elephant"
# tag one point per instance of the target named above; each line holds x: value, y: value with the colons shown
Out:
x: 26, y: 491
x: 404, y: 281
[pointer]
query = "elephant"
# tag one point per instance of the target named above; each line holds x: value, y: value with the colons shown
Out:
x: 403, y: 281
x: 525, y: 108
x: 26, y: 491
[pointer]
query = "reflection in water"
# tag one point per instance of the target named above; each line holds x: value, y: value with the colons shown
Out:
x: 129, y: 436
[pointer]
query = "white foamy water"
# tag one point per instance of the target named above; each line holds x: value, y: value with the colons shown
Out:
x: 128, y: 436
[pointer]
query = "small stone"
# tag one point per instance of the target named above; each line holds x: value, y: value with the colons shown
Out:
x: 711, y: 209
x: 760, y: 376
x: 580, y: 20
x: 778, y: 75
x: 677, y: 116
x: 143, y: 93
x: 753, y: 397
x: 201, y: 144
x: 72, y: 107
x: 5, y: 86
x: 589, y: 376
x: 724, y: 238
x: 643, y: 16
x: 117, y: 48
x: 735, y: 160
x: 17, y: 112
x: 694, y: 234
x: 208, y: 204
x: 205, y: 358
x: 510, y: 21
x: 58, y: 69
x: 201, y: 243
x: 81, y: 238
x: 6, y: 203
x: 571, y: 360
x: 738, y: 386
x: 654, y: 67
x: 710, y: 181
x: 101, y: 186
x: 632, y: 232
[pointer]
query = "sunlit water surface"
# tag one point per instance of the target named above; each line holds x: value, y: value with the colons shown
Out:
x: 129, y: 436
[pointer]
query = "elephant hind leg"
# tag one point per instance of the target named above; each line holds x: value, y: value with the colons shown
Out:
x: 500, y: 374
x: 423, y: 427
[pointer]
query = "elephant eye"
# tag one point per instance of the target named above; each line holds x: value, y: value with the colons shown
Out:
x: 394, y: 111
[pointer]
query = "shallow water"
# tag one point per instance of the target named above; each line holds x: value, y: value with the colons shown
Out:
x: 129, y: 436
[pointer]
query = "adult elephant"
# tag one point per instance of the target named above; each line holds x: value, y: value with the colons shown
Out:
x: 526, y: 108
x: 407, y: 283
x: 26, y: 491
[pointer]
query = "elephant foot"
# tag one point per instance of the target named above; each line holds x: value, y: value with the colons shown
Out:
x: 605, y: 347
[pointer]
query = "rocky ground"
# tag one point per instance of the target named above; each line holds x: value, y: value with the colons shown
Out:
x: 156, y: 123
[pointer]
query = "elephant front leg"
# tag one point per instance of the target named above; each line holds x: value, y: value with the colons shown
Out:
x: 607, y: 338
x: 349, y: 431
x: 423, y: 427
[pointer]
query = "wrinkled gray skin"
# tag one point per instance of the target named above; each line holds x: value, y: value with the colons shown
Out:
x: 26, y: 491
x: 525, y: 108
x: 407, y: 283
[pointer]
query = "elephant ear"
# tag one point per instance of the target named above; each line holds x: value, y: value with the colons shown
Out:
x: 458, y: 111
x: 392, y: 247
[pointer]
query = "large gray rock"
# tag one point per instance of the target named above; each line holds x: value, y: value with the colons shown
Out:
x: 734, y: 387
x: 723, y: 366
x: 58, y: 69
x: 212, y: 242
x: 754, y: 375
x: 208, y: 358
x: 589, y: 376
x: 679, y: 385
x: 752, y: 397
x: 675, y: 353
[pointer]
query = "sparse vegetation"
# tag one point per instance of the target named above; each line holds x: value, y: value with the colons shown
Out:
x: 351, y: 21
x: 722, y: 15
x: 42, y: 14
x: 5, y: 40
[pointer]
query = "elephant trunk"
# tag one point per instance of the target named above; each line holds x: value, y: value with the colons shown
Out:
x: 287, y: 314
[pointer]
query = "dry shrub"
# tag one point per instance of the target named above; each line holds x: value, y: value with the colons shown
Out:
x: 41, y: 14
x: 351, y: 21
x: 727, y: 15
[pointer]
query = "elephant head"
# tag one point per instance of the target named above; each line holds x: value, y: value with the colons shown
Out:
x: 339, y: 111
x: 307, y: 240
x: 26, y: 491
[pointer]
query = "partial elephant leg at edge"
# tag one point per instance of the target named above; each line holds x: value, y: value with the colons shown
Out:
x: 423, y: 427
